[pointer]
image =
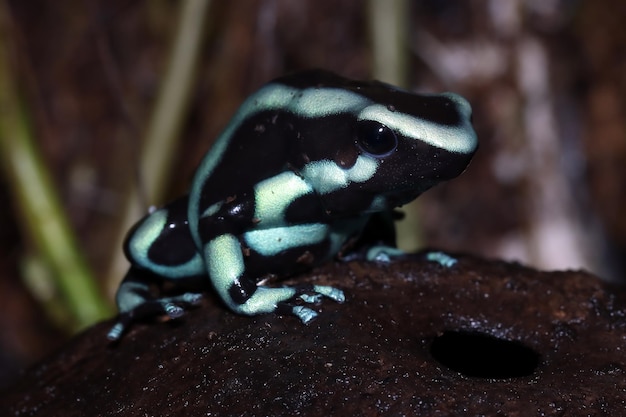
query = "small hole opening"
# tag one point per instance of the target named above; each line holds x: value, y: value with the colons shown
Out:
x: 481, y: 355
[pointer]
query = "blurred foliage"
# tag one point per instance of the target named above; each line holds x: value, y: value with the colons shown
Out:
x: 39, y: 210
x: 546, y: 80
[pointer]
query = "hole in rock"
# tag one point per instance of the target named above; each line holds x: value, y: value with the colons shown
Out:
x: 483, y: 356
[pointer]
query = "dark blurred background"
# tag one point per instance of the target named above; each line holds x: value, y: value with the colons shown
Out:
x: 546, y: 78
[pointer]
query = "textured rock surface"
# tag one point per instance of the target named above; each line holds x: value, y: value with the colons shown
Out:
x: 373, y: 355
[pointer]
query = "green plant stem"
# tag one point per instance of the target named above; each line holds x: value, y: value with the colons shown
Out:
x: 388, y: 23
x: 164, y: 125
x: 388, y: 35
x: 37, y: 204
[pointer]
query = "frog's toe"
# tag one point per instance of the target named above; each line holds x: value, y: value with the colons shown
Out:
x: 305, y: 314
x: 311, y: 299
x: 128, y: 316
x: 441, y: 258
x: 383, y: 253
x: 117, y: 330
x: 173, y: 311
x: 323, y: 291
x: 187, y: 299
x: 175, y: 306
x: 192, y: 298
x: 330, y: 292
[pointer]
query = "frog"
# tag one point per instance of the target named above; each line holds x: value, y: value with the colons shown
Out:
x: 310, y: 168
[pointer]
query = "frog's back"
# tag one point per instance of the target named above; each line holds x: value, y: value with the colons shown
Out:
x: 161, y: 243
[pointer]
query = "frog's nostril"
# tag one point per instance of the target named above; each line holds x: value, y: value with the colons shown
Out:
x: 481, y: 355
x: 462, y: 104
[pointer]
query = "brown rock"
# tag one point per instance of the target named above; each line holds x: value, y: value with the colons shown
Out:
x: 413, y: 338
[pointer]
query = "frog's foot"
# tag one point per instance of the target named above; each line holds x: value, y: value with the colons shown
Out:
x: 320, y: 291
x: 173, y: 307
x: 312, y: 295
x: 441, y: 258
x: 383, y: 253
x: 282, y: 300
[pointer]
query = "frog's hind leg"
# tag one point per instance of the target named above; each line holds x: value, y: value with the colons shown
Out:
x: 135, y: 301
x: 225, y: 263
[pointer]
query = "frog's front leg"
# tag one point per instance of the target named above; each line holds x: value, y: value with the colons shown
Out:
x: 136, y: 302
x: 377, y: 241
x: 226, y: 269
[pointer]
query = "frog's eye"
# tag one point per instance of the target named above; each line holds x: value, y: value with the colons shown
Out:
x: 375, y: 138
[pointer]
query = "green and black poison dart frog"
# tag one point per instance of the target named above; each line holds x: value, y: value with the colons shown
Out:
x: 302, y: 170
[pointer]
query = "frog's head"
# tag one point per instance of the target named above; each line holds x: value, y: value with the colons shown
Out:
x: 369, y: 146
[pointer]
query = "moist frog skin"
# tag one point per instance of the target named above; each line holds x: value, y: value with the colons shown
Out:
x: 309, y: 168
